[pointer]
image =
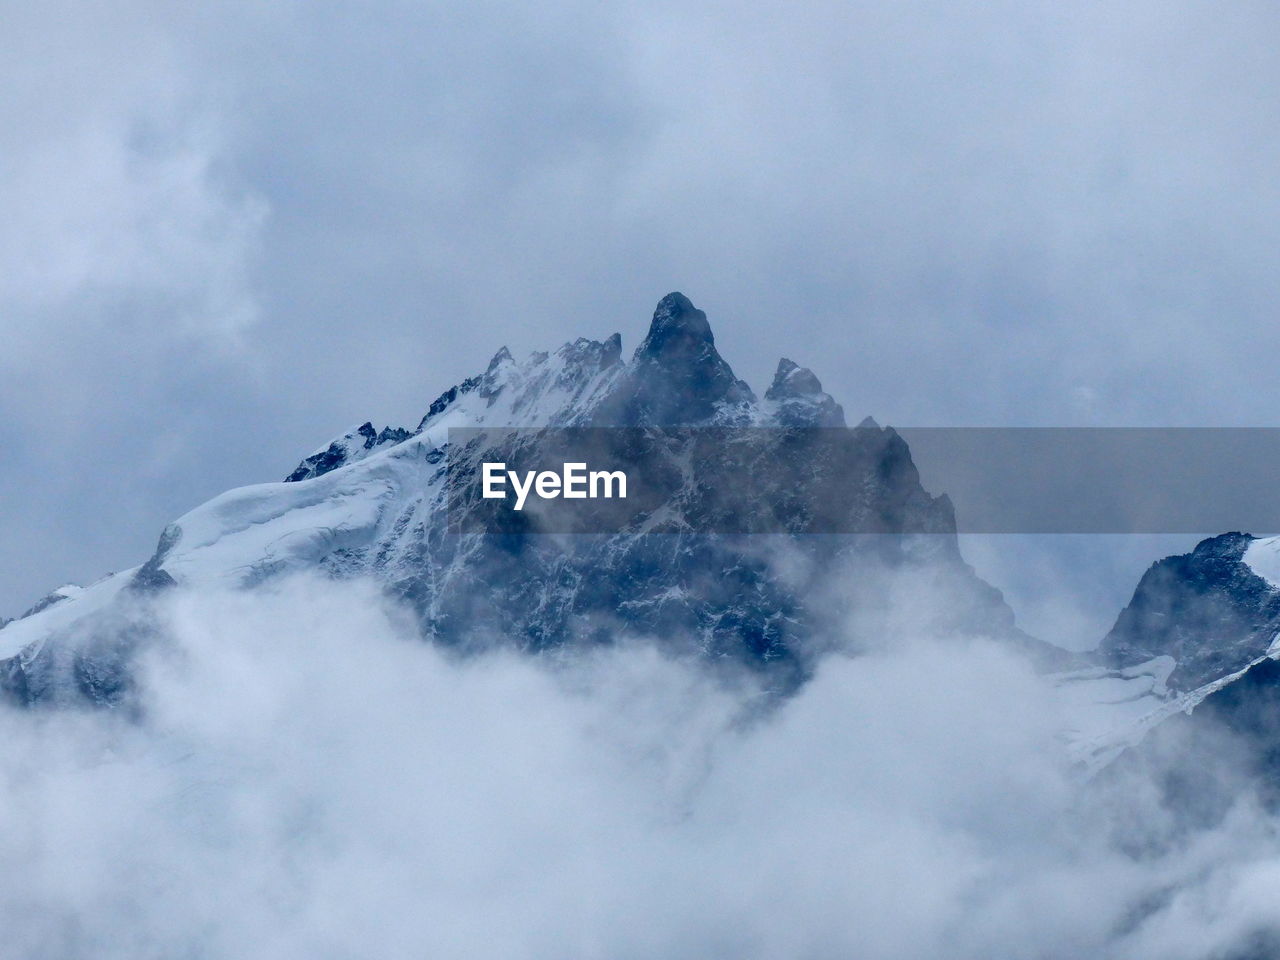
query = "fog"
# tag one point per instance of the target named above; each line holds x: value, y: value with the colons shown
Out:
x: 304, y: 778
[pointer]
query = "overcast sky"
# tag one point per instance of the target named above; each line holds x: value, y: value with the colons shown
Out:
x: 228, y: 234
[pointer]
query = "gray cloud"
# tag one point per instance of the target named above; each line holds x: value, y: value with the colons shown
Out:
x: 232, y: 233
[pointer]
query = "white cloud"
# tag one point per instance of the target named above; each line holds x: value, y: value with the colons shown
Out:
x: 307, y: 782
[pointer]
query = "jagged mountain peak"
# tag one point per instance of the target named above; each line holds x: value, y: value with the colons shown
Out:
x: 800, y: 399
x: 678, y: 329
x: 502, y: 356
x: 545, y: 389
x: 1228, y: 545
x: 792, y: 380
x: 353, y: 445
x: 676, y: 375
x: 584, y: 355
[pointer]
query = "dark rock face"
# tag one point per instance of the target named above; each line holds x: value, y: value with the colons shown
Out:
x: 152, y: 576
x: 1249, y: 708
x: 800, y: 399
x: 676, y: 376
x: 771, y: 602
x: 1207, y: 609
x: 1218, y: 619
x: 768, y: 601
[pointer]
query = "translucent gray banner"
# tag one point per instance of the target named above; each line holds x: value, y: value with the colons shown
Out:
x: 733, y: 480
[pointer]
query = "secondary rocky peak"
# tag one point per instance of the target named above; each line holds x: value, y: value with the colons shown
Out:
x: 589, y: 356
x: 496, y: 376
x: 800, y: 398
x: 1228, y: 546
x: 502, y: 356
x: 792, y: 380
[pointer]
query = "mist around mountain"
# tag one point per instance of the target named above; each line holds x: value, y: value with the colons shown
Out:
x: 316, y: 722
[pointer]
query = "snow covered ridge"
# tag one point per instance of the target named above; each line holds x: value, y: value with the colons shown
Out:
x: 373, y: 504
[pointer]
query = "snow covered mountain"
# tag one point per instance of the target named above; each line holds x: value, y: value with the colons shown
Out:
x: 1213, y: 610
x: 1194, y: 657
x: 1200, y: 629
x: 1204, y: 737
x: 1200, y: 645
x: 373, y: 503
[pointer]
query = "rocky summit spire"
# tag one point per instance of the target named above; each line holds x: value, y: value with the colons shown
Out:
x: 677, y: 376
x: 678, y: 330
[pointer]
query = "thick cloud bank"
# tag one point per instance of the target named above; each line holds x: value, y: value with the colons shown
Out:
x: 307, y: 782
